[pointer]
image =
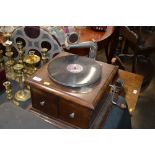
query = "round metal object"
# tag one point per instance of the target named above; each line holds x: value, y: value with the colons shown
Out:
x: 73, y: 38
x: 74, y: 71
x: 18, y: 67
x: 22, y: 95
x: 31, y: 59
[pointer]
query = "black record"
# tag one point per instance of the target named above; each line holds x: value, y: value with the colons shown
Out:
x: 74, y: 71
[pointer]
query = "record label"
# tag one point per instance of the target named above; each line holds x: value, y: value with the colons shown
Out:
x: 74, y: 68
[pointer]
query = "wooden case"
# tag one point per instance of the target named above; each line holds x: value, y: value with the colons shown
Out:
x: 76, y: 107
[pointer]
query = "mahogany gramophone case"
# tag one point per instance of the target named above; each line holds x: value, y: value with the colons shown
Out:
x: 70, y: 89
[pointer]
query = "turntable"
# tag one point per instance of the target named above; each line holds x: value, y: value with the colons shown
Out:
x: 74, y: 71
x: 69, y: 89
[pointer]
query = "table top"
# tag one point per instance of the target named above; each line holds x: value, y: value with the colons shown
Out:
x: 132, y: 87
x: 88, y: 34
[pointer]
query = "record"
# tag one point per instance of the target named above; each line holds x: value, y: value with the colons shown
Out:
x: 74, y: 71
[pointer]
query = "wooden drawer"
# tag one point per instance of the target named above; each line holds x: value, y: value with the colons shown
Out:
x: 45, y: 102
x: 74, y: 114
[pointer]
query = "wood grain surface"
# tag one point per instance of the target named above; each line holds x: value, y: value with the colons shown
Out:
x: 88, y: 34
x: 132, y: 87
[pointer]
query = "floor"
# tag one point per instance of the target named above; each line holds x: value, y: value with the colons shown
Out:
x: 144, y: 114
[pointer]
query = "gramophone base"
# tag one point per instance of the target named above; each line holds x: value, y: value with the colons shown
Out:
x: 22, y: 95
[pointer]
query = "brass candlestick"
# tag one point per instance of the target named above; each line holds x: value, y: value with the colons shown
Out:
x: 8, y: 45
x: 10, y: 62
x: 9, y: 66
x: 8, y: 91
x: 22, y: 94
x: 44, y: 56
x: 1, y: 60
x: 17, y: 73
x: 19, y: 45
x: 31, y: 60
x: 20, y: 52
x: 7, y: 35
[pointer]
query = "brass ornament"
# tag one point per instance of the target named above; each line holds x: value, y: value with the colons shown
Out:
x: 20, y: 52
x: 30, y: 61
x: 44, y: 55
x: 22, y: 94
x: 10, y: 62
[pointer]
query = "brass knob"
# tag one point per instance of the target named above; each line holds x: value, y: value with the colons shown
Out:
x: 72, y: 115
x: 42, y: 103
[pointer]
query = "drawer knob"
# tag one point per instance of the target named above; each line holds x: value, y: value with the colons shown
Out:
x: 72, y: 115
x: 42, y: 103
